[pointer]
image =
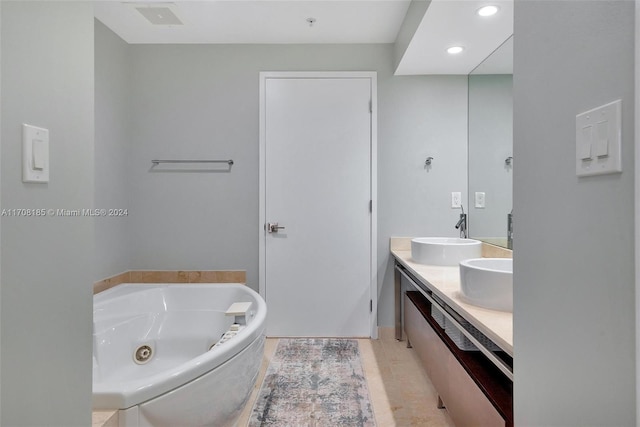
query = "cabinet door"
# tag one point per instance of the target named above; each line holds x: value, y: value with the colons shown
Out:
x: 429, y: 347
x: 466, y: 403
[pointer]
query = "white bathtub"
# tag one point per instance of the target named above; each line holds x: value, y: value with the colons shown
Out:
x: 184, y: 382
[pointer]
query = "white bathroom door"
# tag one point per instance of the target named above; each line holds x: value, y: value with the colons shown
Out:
x: 316, y: 167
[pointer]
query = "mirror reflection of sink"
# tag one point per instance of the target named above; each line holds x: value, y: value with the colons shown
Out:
x: 444, y: 250
x: 488, y: 282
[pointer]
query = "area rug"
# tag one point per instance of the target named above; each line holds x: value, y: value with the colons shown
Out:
x: 314, y: 382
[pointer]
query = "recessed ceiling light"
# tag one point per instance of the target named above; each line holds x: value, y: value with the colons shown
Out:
x: 453, y: 50
x: 488, y: 10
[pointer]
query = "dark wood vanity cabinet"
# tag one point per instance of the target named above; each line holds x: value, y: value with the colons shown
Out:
x: 472, y: 389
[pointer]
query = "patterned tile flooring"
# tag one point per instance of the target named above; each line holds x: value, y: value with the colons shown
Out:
x: 400, y: 391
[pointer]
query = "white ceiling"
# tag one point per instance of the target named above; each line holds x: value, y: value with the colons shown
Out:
x: 265, y: 21
x: 455, y: 23
x: 446, y: 23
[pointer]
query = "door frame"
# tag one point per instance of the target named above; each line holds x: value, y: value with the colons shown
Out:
x: 372, y: 76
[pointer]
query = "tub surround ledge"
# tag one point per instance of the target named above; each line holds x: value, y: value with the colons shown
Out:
x: 104, y: 419
x: 112, y: 281
x: 444, y: 281
x: 171, y: 276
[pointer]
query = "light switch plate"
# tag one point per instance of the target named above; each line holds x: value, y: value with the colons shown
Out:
x: 35, y: 154
x: 599, y: 140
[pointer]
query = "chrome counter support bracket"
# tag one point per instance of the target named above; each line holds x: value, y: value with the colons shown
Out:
x: 397, y: 285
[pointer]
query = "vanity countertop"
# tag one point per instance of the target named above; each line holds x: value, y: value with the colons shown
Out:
x: 445, y: 283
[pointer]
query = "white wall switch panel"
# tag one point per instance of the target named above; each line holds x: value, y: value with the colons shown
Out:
x: 35, y: 154
x: 480, y: 199
x: 456, y: 200
x: 599, y: 140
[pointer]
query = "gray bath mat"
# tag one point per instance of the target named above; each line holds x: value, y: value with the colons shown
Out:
x: 314, y: 382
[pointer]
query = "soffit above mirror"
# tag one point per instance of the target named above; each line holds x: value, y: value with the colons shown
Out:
x: 448, y: 23
x: 499, y: 62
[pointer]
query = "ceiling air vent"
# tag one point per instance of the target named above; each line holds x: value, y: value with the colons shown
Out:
x: 160, y: 15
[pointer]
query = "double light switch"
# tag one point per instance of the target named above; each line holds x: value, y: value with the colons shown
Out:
x: 598, y: 140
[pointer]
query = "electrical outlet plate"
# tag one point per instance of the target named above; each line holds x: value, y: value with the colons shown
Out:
x: 480, y: 199
x: 456, y: 200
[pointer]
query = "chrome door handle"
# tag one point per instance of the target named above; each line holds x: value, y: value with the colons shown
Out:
x: 273, y: 227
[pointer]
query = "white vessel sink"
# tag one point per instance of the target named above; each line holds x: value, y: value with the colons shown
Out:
x: 488, y: 282
x: 444, y: 250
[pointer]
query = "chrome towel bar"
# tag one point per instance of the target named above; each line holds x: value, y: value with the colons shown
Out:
x: 157, y: 162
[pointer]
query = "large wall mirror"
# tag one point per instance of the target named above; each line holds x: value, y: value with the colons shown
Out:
x: 491, y: 148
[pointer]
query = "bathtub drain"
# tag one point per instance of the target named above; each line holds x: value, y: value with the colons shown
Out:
x: 142, y: 354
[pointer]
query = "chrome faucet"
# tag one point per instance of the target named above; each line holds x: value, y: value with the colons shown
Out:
x: 462, y: 224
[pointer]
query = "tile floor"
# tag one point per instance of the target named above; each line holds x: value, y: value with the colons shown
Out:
x: 400, y: 391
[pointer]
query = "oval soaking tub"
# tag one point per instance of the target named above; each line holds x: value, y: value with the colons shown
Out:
x: 180, y: 354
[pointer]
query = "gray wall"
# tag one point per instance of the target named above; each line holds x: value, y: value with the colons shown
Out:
x: 201, y: 101
x: 420, y: 116
x: 490, y: 143
x: 46, y: 313
x: 112, y: 149
x: 574, y: 323
x: 637, y: 199
x: 0, y: 203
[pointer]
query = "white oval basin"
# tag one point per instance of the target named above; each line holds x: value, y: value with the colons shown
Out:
x: 488, y: 282
x: 444, y: 250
